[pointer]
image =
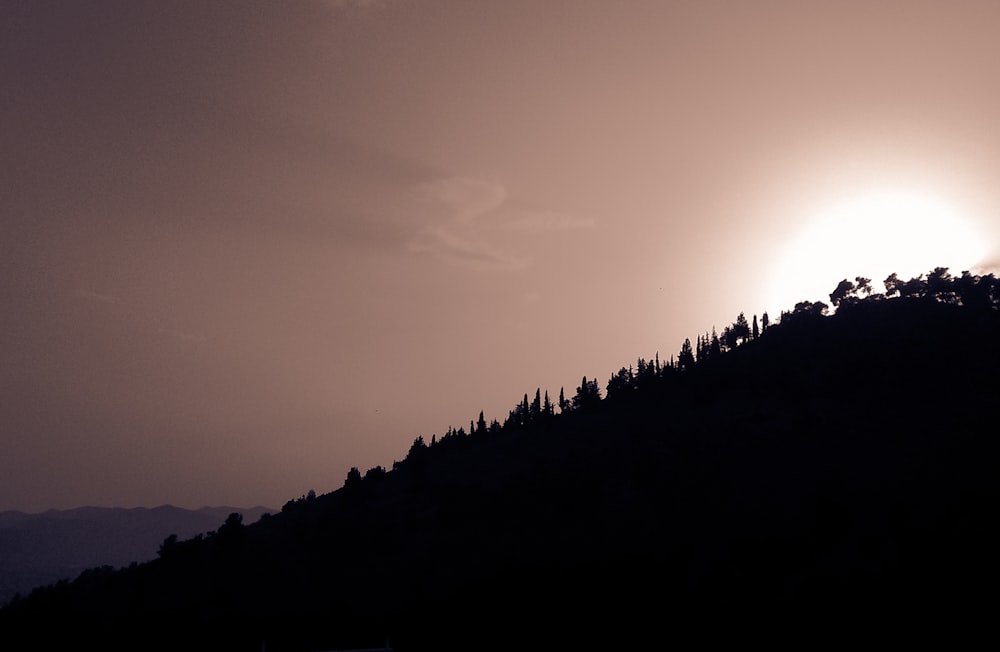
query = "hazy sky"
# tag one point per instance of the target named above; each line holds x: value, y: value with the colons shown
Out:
x: 248, y: 245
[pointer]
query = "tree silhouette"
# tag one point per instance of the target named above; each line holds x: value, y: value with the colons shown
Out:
x: 685, y: 359
x: 892, y: 284
x: 547, y: 408
x: 234, y: 522
x: 353, y: 478
x: 741, y: 329
x: 168, y: 546
x: 535, y: 411
x: 863, y: 286
x: 729, y: 338
x: 715, y: 347
x: 587, y: 394
x: 520, y: 415
x: 843, y: 290
x: 850, y: 293
x: 620, y: 381
x: 417, y: 448
x: 374, y: 474
x: 940, y: 286
x: 810, y: 308
x: 975, y: 291
x: 231, y: 532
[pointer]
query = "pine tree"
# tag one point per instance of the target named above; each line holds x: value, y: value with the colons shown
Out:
x: 587, y: 394
x: 564, y: 405
x: 536, y: 406
x: 417, y: 448
x: 685, y: 359
x: 741, y: 329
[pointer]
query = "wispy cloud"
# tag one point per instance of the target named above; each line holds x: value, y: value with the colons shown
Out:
x: 100, y: 297
x: 456, y: 209
x: 463, y: 248
x: 353, y: 5
x: 464, y: 216
x: 184, y: 336
x: 546, y: 220
x: 468, y: 197
x: 986, y: 266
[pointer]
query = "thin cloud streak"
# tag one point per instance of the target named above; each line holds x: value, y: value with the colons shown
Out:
x: 185, y: 336
x: 464, y: 250
x: 470, y: 198
x: 100, y: 297
x: 353, y: 5
x: 471, y: 207
x: 457, y: 237
x: 549, y: 221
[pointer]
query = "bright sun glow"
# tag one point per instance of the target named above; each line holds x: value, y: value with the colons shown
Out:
x: 873, y: 235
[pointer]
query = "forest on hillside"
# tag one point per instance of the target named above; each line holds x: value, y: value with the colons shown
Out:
x: 827, y: 474
x: 976, y: 292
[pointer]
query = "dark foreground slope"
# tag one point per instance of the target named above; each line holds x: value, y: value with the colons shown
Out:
x: 834, y: 475
x: 37, y: 549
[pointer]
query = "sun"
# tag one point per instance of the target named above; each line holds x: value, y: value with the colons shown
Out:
x: 873, y: 235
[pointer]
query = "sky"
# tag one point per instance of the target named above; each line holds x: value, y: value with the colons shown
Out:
x: 246, y: 246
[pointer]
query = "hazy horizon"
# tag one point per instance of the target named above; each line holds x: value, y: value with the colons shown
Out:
x: 248, y: 246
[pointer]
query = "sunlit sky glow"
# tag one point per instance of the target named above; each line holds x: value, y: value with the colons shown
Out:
x: 872, y: 235
x: 247, y: 245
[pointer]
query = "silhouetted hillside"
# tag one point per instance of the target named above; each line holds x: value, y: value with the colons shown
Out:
x: 820, y: 479
x: 39, y: 549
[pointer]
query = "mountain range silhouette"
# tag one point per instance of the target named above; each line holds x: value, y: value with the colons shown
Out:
x: 41, y: 548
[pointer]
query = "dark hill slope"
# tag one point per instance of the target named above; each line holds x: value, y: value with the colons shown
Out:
x: 835, y: 474
x: 37, y: 549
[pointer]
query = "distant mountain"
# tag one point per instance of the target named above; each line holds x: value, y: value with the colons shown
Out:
x: 828, y: 481
x: 42, y: 548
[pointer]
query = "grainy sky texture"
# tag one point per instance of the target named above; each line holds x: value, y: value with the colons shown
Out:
x: 248, y: 245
